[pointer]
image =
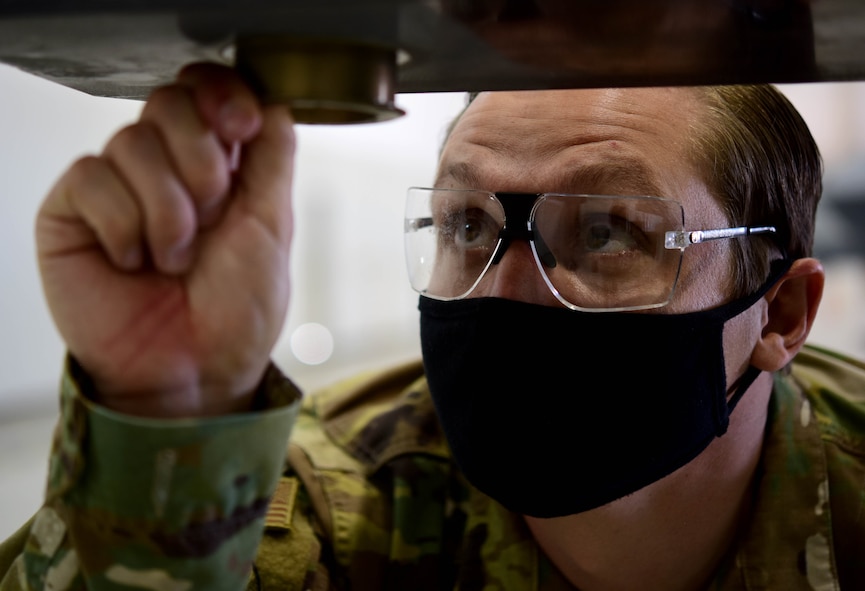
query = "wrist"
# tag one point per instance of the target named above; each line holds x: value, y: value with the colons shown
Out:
x: 196, y: 400
x: 176, y: 405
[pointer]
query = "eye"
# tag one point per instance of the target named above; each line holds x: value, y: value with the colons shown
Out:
x: 610, y: 234
x: 468, y: 228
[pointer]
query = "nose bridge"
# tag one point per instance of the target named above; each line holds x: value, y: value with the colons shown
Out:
x: 517, y: 208
x: 517, y: 277
x: 514, y: 273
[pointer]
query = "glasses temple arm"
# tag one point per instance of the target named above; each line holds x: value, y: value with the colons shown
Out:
x: 415, y: 224
x: 681, y: 239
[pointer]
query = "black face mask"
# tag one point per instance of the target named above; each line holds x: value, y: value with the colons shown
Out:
x: 553, y: 412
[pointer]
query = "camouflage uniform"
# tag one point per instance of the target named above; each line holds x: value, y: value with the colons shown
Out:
x: 369, y: 499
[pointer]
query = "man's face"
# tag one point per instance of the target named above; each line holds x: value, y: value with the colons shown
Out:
x: 605, y: 141
x: 625, y: 142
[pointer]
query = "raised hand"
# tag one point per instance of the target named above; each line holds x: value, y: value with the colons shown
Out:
x: 165, y: 260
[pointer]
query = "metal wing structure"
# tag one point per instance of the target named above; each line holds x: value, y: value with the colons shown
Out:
x: 124, y: 48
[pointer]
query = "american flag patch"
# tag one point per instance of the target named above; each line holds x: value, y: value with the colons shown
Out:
x: 282, y: 504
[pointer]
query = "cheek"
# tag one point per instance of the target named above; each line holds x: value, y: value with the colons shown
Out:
x: 740, y: 337
x: 706, y: 280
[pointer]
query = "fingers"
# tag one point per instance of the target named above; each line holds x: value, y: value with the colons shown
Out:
x: 260, y: 140
x: 92, y: 192
x: 165, y: 200
x: 201, y: 120
x: 267, y: 171
x: 161, y: 180
x: 228, y: 106
x: 224, y: 101
x: 196, y: 153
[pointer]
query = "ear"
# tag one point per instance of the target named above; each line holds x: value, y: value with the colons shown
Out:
x: 789, y: 315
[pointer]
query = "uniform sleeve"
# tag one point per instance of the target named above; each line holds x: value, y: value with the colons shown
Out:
x: 164, y: 505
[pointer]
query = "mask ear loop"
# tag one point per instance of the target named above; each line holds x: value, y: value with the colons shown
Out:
x: 741, y: 385
x: 744, y: 381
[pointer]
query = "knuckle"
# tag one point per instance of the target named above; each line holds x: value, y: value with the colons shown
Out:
x: 284, y: 128
x: 130, y: 139
x: 84, y: 170
x: 122, y: 227
x: 208, y: 178
x: 123, y: 214
x: 289, y: 139
x: 283, y: 133
x: 169, y: 224
x: 98, y: 196
x: 166, y: 103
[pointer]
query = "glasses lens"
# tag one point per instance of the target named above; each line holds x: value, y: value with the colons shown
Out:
x: 602, y: 252
x: 450, y: 238
x: 596, y: 252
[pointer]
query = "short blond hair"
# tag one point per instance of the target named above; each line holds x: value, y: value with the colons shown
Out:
x: 759, y: 159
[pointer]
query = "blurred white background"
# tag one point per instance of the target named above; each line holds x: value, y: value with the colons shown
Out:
x: 351, y: 307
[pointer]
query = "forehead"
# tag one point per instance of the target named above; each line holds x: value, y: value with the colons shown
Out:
x: 612, y: 141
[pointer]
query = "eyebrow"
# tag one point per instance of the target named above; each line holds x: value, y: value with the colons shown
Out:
x: 462, y: 172
x: 627, y: 175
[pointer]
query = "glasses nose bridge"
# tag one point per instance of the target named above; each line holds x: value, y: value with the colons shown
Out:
x: 518, y: 209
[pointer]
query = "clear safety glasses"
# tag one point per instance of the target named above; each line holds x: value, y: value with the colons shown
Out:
x: 595, y: 252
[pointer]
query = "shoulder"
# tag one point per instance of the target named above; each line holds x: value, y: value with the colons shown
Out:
x: 834, y: 386
x: 833, y: 390
x: 354, y: 448
x: 362, y: 423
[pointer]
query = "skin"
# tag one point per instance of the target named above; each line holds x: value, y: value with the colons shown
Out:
x: 672, y: 534
x: 165, y: 259
x: 166, y: 271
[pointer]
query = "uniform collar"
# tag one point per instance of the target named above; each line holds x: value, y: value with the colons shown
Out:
x: 382, y: 415
x: 787, y: 542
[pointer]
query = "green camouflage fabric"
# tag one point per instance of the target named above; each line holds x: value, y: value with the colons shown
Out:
x: 370, y: 500
x: 135, y: 503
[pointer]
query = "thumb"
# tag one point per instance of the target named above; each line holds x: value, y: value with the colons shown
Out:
x: 264, y: 178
